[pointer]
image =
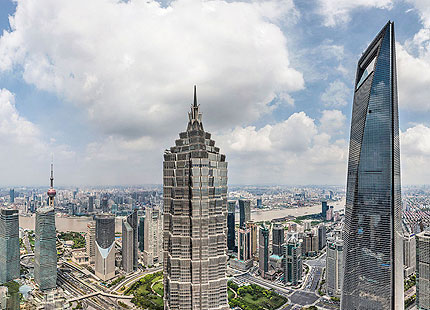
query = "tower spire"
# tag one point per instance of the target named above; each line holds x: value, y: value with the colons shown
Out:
x: 195, y: 96
x: 51, y: 191
x: 52, y: 172
x: 195, y: 117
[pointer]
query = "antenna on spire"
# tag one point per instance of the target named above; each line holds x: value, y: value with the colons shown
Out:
x: 52, y: 171
x: 195, y: 96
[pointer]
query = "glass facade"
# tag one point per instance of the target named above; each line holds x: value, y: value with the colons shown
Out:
x: 231, y: 229
x: 373, y: 255
x: 9, y: 245
x: 195, y: 220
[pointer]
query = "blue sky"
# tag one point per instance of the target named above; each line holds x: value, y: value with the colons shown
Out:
x: 106, y: 86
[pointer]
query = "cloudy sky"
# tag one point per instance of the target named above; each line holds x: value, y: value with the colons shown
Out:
x: 105, y: 86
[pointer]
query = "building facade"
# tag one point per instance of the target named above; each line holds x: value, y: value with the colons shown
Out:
x: 322, y: 236
x: 231, y: 226
x: 293, y: 261
x: 263, y: 252
x: 334, y: 267
x: 195, y: 220
x: 423, y: 270
x: 253, y: 228
x: 9, y: 245
x: 153, y: 242
x: 45, y: 249
x: 373, y: 233
x: 324, y: 208
x: 278, y: 239
x: 90, y: 241
x: 105, y: 247
x: 244, y: 211
x: 127, y: 247
x: 409, y: 254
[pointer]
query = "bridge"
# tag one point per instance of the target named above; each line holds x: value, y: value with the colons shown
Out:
x: 99, y: 293
x: 24, y: 256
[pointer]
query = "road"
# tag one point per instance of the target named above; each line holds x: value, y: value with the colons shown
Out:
x: 130, y: 279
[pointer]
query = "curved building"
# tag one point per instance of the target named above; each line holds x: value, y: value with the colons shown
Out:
x: 195, y: 220
x: 373, y: 254
x: 105, y: 247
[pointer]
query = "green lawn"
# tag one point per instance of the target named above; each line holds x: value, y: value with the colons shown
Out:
x: 159, y: 288
x: 143, y: 295
x: 254, y: 297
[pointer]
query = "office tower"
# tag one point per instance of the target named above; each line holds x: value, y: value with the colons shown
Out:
x: 9, y: 245
x: 105, y: 204
x: 324, y: 208
x: 127, y: 246
x: 263, y: 252
x: 253, y: 229
x: 141, y: 230
x: 90, y: 241
x: 409, y: 254
x: 329, y: 214
x: 244, y: 212
x: 278, y: 239
x: 322, y: 232
x: 105, y: 247
x: 334, y: 267
x: 423, y: 270
x: 373, y: 229
x: 307, y: 225
x: 259, y: 203
x: 11, y: 195
x: 153, y: 243
x: 292, y: 260
x: 132, y: 222
x: 91, y: 204
x: 195, y: 220
x: 231, y: 229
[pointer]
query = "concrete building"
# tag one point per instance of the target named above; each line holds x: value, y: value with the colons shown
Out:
x: 141, y: 230
x: 90, y: 241
x: 334, y: 267
x: 278, y: 239
x: 263, y: 251
x: 231, y: 226
x: 131, y: 241
x: 91, y: 204
x: 195, y: 225
x: 423, y: 270
x: 409, y: 254
x: 9, y: 245
x: 244, y: 212
x: 322, y: 239
x: 127, y: 246
x: 153, y: 242
x: 254, y: 233
x: 105, y: 247
x: 293, y: 261
x: 324, y: 208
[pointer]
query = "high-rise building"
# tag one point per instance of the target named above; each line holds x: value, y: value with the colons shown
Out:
x: 244, y: 244
x: 334, y: 267
x: 259, y: 203
x: 153, y: 242
x: 105, y: 204
x: 373, y: 228
x: 90, y: 241
x: 12, y: 195
x: 9, y: 245
x: 105, y: 247
x: 195, y: 225
x: 127, y: 246
x: 409, y: 256
x: 141, y: 230
x: 324, y: 208
x: 263, y: 252
x: 91, y: 203
x: 231, y: 226
x: 132, y: 222
x: 322, y: 232
x: 253, y: 228
x: 292, y: 260
x: 244, y: 212
x: 423, y: 270
x: 278, y: 239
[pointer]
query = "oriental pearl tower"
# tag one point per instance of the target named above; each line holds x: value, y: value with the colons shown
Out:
x: 51, y: 191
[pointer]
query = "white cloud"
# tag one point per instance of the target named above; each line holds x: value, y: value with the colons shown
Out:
x: 131, y: 65
x: 332, y: 122
x: 336, y: 12
x: 336, y: 94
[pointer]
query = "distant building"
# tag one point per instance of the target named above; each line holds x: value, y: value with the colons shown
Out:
x: 105, y: 204
x: 153, y: 242
x: 322, y: 231
x: 264, y: 251
x: 324, y: 208
x: 90, y: 241
x: 423, y: 270
x: 409, y: 254
x: 45, y: 249
x: 310, y: 241
x: 334, y: 267
x: 254, y: 233
x: 259, y: 203
x: 231, y: 226
x: 292, y: 261
x: 278, y: 239
x: 9, y: 245
x: 11, y: 195
x: 127, y: 246
x: 244, y: 212
x: 329, y: 215
x: 105, y: 247
x: 91, y: 204
x: 141, y: 230
x: 132, y: 219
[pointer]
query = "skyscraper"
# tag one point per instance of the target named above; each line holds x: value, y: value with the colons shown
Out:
x: 231, y: 226
x: 244, y: 212
x: 409, y: 254
x: 195, y: 220
x: 90, y: 241
x: 324, y: 208
x: 322, y: 232
x: 278, y: 239
x: 292, y: 261
x: 153, y: 246
x: 141, y: 230
x: 105, y: 247
x: 334, y: 267
x: 91, y: 203
x: 423, y: 270
x: 45, y: 245
x: 105, y: 204
x: 373, y: 231
x: 11, y: 195
x: 9, y: 245
x: 253, y: 229
x: 127, y: 246
x: 263, y: 252
x: 132, y: 222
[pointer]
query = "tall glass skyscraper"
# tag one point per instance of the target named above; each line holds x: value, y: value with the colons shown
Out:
x: 195, y: 220
x: 373, y: 255
x: 105, y: 247
x: 231, y: 226
x: 9, y: 245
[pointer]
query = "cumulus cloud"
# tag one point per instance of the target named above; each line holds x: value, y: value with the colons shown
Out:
x: 332, y: 122
x: 295, y: 151
x: 131, y: 65
x: 336, y: 12
x: 336, y: 94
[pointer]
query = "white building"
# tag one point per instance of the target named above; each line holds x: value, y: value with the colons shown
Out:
x: 334, y: 266
x: 423, y: 270
x: 153, y: 237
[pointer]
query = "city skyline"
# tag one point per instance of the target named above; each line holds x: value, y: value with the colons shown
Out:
x: 112, y: 139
